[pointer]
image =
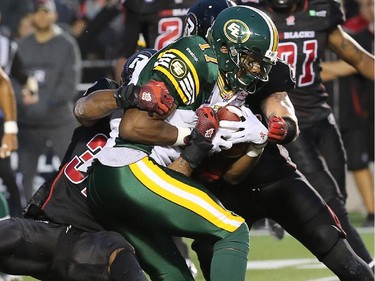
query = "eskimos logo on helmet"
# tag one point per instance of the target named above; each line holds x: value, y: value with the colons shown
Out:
x: 236, y: 31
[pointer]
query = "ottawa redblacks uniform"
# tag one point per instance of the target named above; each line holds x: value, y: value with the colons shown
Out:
x: 66, y: 203
x: 276, y: 189
x: 55, y: 239
x: 160, y: 22
x: 318, y: 151
x: 303, y: 41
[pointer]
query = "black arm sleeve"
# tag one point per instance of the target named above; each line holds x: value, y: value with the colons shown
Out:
x: 17, y: 71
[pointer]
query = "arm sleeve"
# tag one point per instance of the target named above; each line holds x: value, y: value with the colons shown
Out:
x: 17, y: 71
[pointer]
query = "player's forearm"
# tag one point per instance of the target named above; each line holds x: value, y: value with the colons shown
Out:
x: 366, y: 66
x: 239, y: 169
x: 137, y: 125
x: 351, y: 52
x: 278, y: 104
x: 334, y: 69
x: 97, y: 105
x: 7, y: 100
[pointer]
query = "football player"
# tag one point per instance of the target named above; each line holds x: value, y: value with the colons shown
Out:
x: 59, y: 238
x: 274, y: 188
x: 306, y: 29
x: 159, y: 22
x: 155, y: 202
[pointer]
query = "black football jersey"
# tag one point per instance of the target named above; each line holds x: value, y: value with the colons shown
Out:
x: 281, y: 78
x: 302, y: 43
x: 66, y: 203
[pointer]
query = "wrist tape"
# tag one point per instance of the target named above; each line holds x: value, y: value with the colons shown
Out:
x: 181, y: 134
x: 10, y: 127
x: 292, y: 131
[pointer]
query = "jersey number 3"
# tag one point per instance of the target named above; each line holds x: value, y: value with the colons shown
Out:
x: 94, y: 146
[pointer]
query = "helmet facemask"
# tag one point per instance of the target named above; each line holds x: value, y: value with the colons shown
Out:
x: 247, y: 68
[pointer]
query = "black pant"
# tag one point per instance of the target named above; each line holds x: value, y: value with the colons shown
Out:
x: 8, y: 175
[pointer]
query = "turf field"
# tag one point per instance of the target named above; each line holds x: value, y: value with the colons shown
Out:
x: 285, y: 260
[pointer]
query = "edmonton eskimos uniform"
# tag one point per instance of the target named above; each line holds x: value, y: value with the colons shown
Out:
x: 318, y: 151
x: 154, y: 203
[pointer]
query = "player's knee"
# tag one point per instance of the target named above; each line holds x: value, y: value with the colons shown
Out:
x: 123, y: 264
x: 12, y: 228
x: 125, y: 249
x: 237, y: 240
x: 92, y: 257
x: 324, y: 238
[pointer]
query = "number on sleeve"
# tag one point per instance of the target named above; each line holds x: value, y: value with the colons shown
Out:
x: 94, y: 146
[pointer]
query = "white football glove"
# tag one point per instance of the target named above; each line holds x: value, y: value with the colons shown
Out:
x: 248, y: 129
x: 220, y: 142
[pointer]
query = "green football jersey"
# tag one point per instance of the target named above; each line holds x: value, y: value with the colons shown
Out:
x: 189, y: 69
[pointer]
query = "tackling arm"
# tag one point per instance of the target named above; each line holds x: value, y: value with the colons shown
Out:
x: 91, y: 108
x: 350, y: 51
x: 138, y: 125
x: 151, y: 97
x: 282, y: 120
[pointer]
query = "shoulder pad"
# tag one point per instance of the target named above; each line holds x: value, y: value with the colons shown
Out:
x: 281, y: 78
x: 101, y: 84
x: 187, y: 65
x: 334, y: 9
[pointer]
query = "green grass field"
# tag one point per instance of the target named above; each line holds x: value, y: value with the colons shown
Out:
x: 285, y: 260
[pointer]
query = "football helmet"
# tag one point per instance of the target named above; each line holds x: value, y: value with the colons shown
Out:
x: 129, y: 66
x: 282, y: 5
x: 202, y: 14
x: 245, y: 41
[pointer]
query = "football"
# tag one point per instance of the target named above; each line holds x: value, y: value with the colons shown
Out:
x: 237, y: 149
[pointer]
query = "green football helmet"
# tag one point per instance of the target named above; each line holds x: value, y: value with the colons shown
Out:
x: 245, y: 41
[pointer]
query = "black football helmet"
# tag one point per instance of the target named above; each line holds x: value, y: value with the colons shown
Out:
x: 101, y: 84
x: 202, y: 14
x: 129, y: 66
x: 283, y: 6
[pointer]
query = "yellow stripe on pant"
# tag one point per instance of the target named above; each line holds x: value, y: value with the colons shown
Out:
x: 183, y: 194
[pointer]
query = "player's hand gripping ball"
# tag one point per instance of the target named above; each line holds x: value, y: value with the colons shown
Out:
x: 238, y: 149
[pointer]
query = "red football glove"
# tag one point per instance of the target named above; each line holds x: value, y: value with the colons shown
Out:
x: 277, y: 129
x: 151, y: 97
x: 200, y: 140
x: 154, y: 97
x: 207, y: 123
